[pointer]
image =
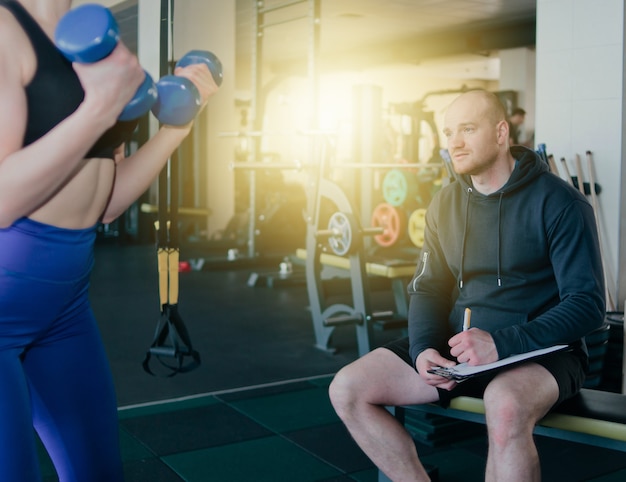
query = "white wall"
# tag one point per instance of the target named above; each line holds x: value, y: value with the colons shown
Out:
x: 210, y: 25
x: 580, y: 76
x: 518, y: 73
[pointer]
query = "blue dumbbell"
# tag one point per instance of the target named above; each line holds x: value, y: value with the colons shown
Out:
x: 89, y: 33
x: 203, y: 57
x: 178, y: 99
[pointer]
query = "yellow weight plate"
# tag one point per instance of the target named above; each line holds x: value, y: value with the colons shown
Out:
x: 417, y: 224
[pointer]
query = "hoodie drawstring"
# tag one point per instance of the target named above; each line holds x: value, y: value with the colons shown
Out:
x: 467, y: 205
x: 499, y: 237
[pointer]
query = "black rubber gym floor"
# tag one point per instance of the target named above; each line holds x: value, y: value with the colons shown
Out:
x: 257, y: 409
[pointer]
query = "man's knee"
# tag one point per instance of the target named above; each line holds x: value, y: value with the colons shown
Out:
x: 508, y: 415
x: 340, y: 391
x: 520, y: 397
x: 501, y: 405
x: 355, y: 386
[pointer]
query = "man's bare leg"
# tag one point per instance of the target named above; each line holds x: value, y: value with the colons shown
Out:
x: 514, y: 402
x: 359, y: 393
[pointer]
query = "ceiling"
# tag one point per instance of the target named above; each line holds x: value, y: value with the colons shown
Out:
x: 362, y: 33
x: 450, y: 35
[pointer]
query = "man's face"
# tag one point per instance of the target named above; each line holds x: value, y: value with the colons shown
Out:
x: 472, y: 135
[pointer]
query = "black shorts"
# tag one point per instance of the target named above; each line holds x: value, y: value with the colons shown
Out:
x: 567, y: 367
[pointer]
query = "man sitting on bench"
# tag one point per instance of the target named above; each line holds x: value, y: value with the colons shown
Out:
x: 519, y: 247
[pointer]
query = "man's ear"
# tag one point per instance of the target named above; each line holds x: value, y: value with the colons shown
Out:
x: 502, y: 129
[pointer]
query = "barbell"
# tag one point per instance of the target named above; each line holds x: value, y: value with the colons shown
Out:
x: 388, y: 225
x: 342, y: 233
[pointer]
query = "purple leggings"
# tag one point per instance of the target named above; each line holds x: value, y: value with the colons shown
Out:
x: 54, y: 374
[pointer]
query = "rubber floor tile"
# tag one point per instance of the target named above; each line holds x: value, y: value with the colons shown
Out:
x: 322, y: 382
x: 167, y: 406
x: 583, y: 461
x: 333, y: 444
x: 193, y: 429
x: 458, y: 465
x: 290, y: 411
x: 271, y: 459
x: 614, y: 477
x: 133, y: 449
x: 343, y: 478
x: 149, y: 470
x: 370, y: 475
x: 265, y: 391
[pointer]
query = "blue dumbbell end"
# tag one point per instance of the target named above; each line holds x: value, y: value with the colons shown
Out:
x: 178, y: 100
x: 87, y: 33
x: 142, y: 101
x: 203, y: 57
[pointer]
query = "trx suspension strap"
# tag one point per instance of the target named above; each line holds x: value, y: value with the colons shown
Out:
x: 171, y: 339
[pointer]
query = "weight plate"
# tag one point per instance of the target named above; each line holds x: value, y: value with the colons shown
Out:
x: 399, y: 186
x: 417, y: 224
x: 392, y: 220
x: 344, y: 229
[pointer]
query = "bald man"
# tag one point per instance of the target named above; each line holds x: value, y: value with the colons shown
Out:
x: 517, y: 246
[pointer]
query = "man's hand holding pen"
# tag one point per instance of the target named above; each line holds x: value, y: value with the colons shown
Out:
x: 473, y: 346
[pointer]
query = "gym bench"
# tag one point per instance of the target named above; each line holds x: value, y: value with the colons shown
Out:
x: 592, y: 417
x: 363, y: 278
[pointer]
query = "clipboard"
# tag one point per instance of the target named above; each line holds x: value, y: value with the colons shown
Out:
x: 463, y: 371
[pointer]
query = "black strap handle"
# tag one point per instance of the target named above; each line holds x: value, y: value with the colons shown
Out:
x: 171, y: 340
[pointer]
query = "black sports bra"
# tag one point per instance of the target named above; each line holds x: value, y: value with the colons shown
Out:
x: 55, y: 90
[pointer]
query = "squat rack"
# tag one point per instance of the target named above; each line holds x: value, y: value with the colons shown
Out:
x: 258, y: 96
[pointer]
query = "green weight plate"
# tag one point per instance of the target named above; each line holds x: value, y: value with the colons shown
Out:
x: 399, y: 186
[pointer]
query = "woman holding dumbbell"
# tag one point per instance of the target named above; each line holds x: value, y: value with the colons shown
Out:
x: 62, y: 172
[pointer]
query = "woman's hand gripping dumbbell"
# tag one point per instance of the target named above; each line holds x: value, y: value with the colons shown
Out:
x: 182, y: 95
x: 88, y: 34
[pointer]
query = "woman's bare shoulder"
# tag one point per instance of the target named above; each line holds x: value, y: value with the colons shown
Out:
x: 16, y: 53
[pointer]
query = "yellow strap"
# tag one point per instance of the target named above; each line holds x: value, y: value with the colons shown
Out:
x: 173, y: 268
x: 162, y: 256
x: 168, y: 272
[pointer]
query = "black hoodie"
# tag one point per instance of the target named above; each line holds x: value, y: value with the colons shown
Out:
x: 525, y: 259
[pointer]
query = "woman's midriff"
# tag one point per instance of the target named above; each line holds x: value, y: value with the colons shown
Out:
x: 82, y: 200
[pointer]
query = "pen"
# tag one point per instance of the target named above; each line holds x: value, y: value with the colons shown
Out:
x: 466, y: 319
